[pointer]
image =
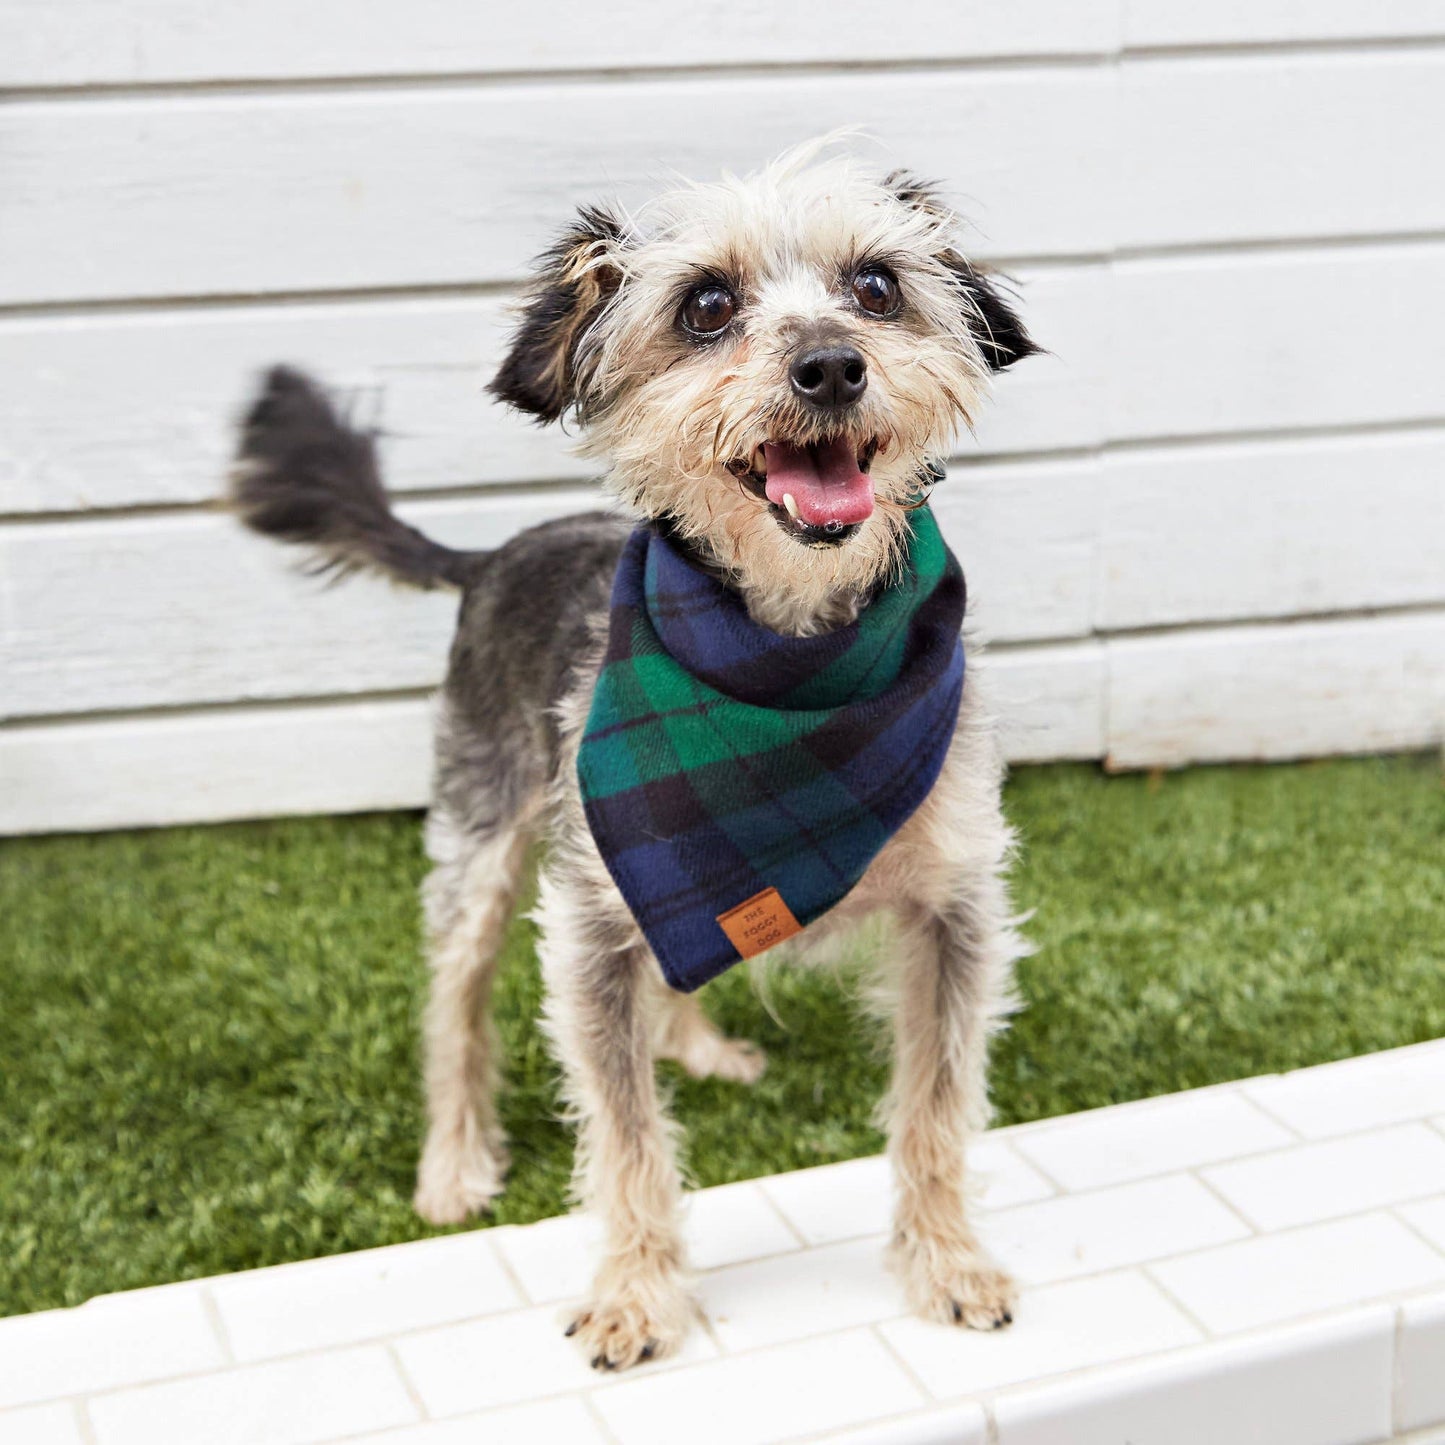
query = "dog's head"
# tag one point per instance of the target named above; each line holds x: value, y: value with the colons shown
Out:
x: 768, y: 363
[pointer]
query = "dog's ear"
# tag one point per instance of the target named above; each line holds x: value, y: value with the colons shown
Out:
x: 917, y: 194
x: 1001, y: 335
x: 574, y: 281
x: 996, y: 327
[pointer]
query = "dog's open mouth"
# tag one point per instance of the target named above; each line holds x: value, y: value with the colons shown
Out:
x: 820, y: 491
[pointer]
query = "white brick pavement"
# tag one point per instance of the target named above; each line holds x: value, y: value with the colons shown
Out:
x: 1259, y: 1263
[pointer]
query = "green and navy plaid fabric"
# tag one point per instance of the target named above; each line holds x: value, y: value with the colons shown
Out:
x: 721, y: 759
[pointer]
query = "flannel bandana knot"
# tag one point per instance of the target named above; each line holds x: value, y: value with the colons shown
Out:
x: 738, y: 782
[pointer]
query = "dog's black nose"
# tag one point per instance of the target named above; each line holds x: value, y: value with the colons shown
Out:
x: 830, y: 377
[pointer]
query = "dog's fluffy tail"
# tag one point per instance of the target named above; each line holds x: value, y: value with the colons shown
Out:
x: 303, y: 475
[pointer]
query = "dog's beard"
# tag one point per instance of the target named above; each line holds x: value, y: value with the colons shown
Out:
x: 793, y: 582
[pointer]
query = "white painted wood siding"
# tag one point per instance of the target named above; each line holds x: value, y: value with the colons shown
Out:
x: 1210, y: 524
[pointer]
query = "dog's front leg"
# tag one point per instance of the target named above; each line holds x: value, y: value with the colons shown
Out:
x: 952, y: 963
x: 598, y: 1019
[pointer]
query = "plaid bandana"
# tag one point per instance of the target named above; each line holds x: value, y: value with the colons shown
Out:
x: 738, y: 782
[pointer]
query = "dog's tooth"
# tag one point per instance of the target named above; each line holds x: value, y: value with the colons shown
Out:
x: 791, y: 505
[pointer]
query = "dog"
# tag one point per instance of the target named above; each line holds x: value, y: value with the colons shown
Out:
x: 814, y: 314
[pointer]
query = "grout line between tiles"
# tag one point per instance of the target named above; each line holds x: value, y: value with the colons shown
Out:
x: 413, y: 1394
x: 888, y: 1348
x: 990, y: 1422
x: 706, y: 1325
x: 505, y: 1264
x: 589, y: 1404
x: 212, y: 1312
x: 1060, y: 1189
x: 1298, y: 1140
x: 80, y: 1408
x: 1250, y: 1102
x: 335, y: 1347
x: 1197, y: 1174
x: 778, y: 1210
x: 1397, y: 1371
x: 1203, y: 1249
x: 1008, y: 1132
x: 1394, y: 1211
x: 483, y: 1414
x: 1270, y: 1114
x: 1148, y: 1272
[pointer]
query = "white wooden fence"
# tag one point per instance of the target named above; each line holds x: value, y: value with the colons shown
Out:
x: 1210, y: 525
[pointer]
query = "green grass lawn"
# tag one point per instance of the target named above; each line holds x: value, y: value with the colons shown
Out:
x: 208, y: 1036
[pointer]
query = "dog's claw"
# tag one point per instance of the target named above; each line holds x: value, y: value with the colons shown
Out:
x: 616, y: 1335
x: 572, y: 1328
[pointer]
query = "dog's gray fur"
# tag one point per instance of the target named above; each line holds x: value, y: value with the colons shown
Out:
x: 678, y: 421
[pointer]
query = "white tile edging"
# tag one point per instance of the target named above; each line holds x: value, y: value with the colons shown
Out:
x: 1223, y: 1298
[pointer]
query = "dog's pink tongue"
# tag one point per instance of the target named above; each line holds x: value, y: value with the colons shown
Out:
x: 824, y: 482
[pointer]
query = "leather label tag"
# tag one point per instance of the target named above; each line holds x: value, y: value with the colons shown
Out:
x: 758, y: 923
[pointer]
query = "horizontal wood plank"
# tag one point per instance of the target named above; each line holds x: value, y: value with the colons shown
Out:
x: 209, y: 767
x: 1219, y: 533
x: 157, y: 612
x: 139, y: 409
x: 1263, y: 147
x: 149, y: 612
x: 1261, y: 22
x: 170, y: 611
x: 1353, y: 685
x: 1049, y: 702
x: 100, y: 42
x: 112, y: 411
x: 160, y: 42
x: 461, y: 184
x: 1259, y: 342
x: 1299, y: 690
x: 257, y: 762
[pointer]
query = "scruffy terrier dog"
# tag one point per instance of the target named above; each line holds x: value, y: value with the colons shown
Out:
x: 765, y: 366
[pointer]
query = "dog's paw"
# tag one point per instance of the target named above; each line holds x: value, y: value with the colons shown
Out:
x: 627, y: 1330
x: 452, y: 1183
x: 740, y: 1061
x: 983, y: 1298
x: 969, y: 1290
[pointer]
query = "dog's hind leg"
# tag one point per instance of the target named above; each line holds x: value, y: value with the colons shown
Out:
x: 468, y: 900
x: 684, y: 1033
x: 596, y: 969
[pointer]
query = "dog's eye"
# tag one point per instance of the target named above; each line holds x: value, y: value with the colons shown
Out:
x: 708, y: 309
x: 876, y: 292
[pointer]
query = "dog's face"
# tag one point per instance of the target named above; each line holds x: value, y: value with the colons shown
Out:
x: 768, y: 363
